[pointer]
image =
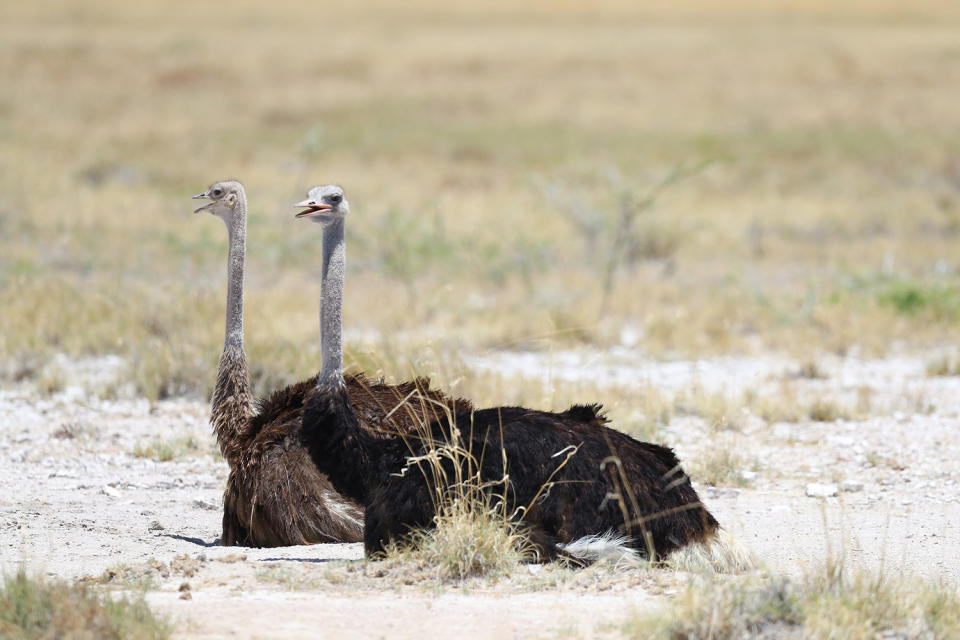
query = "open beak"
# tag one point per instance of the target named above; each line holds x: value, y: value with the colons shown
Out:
x: 201, y: 196
x: 311, y: 209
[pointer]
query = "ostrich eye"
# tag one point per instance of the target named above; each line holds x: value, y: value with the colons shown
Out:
x: 216, y: 193
x: 336, y: 198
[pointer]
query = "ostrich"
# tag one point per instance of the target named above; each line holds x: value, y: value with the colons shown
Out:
x: 275, y: 495
x: 569, y: 476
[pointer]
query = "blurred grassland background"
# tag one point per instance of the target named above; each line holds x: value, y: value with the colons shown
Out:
x: 747, y: 177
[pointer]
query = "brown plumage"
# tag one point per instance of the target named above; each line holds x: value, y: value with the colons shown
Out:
x: 275, y: 496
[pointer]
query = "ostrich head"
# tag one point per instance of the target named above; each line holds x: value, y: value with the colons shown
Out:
x: 226, y: 196
x: 325, y: 204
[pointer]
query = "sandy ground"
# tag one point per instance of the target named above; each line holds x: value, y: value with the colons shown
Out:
x: 76, y: 501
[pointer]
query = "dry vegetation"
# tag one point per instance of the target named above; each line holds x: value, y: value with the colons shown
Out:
x: 33, y: 607
x: 505, y: 165
x: 832, y: 602
x: 474, y: 533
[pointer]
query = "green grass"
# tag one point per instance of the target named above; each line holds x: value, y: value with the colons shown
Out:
x: 35, y: 608
x: 933, y: 300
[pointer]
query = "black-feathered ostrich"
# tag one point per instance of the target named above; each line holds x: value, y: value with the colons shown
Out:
x: 275, y: 495
x: 570, y: 475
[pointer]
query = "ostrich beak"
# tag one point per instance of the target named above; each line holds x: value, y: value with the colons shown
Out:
x: 312, y: 208
x: 201, y: 196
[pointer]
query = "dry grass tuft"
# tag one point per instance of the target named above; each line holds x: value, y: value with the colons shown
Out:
x: 824, y: 410
x: 171, y: 449
x: 946, y: 365
x: 810, y: 370
x: 471, y: 538
x: 37, y: 608
x: 832, y: 602
x: 721, y: 468
x: 474, y: 533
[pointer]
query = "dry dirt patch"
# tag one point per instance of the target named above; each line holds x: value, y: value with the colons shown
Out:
x: 76, y: 499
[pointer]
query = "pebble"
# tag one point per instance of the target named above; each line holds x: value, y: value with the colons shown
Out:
x: 110, y: 491
x: 717, y: 492
x: 815, y: 490
x: 850, y: 486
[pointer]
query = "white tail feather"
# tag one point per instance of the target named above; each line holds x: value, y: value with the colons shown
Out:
x: 609, y: 546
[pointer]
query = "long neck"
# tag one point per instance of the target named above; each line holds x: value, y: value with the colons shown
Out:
x: 237, y: 229
x: 337, y: 444
x: 232, y: 402
x: 331, y: 304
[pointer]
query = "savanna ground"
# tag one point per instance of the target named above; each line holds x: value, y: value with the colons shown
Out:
x: 734, y: 226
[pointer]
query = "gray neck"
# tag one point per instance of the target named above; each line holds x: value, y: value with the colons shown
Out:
x: 331, y: 303
x: 237, y: 229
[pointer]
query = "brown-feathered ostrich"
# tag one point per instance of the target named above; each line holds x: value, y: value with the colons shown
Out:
x: 275, y: 495
x: 568, y: 475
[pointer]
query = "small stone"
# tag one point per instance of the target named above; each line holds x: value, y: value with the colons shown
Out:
x: 184, y: 586
x: 186, y: 595
x: 155, y: 526
x: 110, y: 491
x: 199, y: 503
x: 850, y: 486
x: 722, y: 492
x: 815, y: 490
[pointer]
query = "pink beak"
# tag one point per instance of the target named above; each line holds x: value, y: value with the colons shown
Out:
x: 312, y: 208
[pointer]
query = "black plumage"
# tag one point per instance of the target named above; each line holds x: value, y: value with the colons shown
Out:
x: 569, y: 474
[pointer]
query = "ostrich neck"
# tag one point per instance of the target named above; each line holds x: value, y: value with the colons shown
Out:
x: 338, y: 445
x: 232, y: 402
x: 237, y: 230
x: 331, y: 304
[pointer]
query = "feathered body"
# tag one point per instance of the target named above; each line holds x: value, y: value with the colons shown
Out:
x: 569, y: 475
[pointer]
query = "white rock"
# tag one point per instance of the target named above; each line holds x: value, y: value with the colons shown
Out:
x: 200, y: 503
x: 815, y: 490
x: 110, y: 491
x: 850, y: 486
